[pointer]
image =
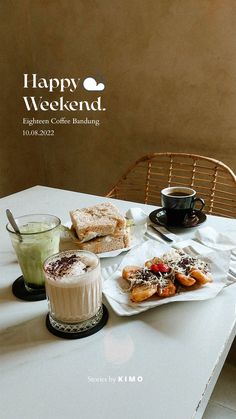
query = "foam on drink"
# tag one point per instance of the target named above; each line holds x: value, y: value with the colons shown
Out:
x: 73, y: 285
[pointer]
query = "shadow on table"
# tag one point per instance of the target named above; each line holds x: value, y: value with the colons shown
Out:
x: 8, y: 257
x: 24, y: 335
x: 158, y: 320
x: 6, y: 295
x: 150, y: 317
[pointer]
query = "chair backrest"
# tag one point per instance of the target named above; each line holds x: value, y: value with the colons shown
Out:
x: 213, y: 180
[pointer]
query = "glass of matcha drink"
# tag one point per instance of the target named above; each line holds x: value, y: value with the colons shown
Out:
x: 39, y: 238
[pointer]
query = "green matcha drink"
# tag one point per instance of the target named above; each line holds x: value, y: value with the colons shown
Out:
x: 40, y: 238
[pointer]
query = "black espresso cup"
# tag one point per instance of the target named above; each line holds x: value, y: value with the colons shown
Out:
x: 179, y: 204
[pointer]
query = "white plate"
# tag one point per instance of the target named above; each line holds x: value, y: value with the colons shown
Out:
x: 137, y: 236
x: 120, y: 300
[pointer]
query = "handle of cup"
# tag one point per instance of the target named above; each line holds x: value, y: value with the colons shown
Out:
x: 199, y: 200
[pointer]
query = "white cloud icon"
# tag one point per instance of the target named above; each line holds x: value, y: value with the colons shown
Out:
x: 91, y: 85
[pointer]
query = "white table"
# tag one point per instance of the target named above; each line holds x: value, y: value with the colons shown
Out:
x: 174, y: 352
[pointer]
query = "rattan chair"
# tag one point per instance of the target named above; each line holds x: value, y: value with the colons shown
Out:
x: 213, y: 180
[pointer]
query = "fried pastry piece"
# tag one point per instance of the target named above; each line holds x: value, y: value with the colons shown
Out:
x: 143, y: 292
x: 200, y: 276
x: 167, y: 291
x: 185, y: 280
x: 129, y: 272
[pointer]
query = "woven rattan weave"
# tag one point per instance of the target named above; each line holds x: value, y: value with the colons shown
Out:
x: 213, y: 180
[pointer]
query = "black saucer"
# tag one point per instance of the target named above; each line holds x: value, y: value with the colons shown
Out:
x: 159, y: 217
x: 19, y: 290
x: 78, y: 335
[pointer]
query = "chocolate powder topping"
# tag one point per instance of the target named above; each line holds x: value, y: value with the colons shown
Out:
x: 61, y: 266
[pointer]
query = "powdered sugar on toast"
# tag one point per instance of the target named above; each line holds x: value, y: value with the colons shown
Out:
x: 96, y: 221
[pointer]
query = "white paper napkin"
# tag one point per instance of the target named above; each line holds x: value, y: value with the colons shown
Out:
x: 139, y: 217
x: 220, y: 241
x: 212, y: 238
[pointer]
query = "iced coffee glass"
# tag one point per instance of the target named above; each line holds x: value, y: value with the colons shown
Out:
x: 40, y: 235
x: 74, y: 290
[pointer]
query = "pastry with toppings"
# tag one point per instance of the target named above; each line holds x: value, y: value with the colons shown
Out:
x: 145, y: 282
x: 188, y: 269
x: 162, y: 276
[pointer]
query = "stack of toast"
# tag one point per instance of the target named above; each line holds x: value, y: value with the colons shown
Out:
x: 100, y: 228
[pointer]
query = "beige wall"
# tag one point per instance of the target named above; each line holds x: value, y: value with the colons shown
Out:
x: 170, y: 72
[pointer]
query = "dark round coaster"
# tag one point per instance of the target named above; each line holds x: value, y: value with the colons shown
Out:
x: 158, y: 217
x: 79, y: 335
x: 19, y: 290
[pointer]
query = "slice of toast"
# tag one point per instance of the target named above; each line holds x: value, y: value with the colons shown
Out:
x: 96, y: 221
x: 105, y: 244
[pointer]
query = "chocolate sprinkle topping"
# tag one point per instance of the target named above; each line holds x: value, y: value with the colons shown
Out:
x: 60, y: 266
x: 145, y: 276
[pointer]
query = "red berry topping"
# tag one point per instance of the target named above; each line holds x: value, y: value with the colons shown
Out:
x: 160, y: 267
x: 154, y: 268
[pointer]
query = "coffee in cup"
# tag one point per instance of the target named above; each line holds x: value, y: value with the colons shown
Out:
x: 179, y: 203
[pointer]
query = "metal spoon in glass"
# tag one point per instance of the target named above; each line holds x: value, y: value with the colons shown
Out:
x: 12, y: 221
